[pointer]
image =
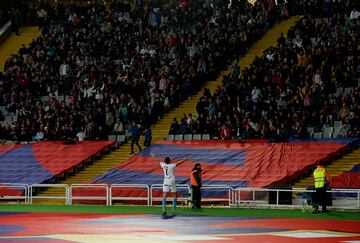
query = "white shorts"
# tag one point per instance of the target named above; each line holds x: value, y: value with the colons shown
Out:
x: 169, y: 186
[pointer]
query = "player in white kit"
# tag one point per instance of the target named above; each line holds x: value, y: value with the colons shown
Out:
x: 169, y: 184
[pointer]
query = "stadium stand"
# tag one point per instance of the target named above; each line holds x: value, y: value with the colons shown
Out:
x: 307, y: 86
x: 131, y: 68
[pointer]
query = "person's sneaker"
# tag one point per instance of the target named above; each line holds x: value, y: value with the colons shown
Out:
x: 164, y: 213
x: 325, y: 211
x: 131, y: 152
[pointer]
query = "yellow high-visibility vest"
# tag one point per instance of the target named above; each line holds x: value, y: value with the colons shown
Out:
x: 319, y: 177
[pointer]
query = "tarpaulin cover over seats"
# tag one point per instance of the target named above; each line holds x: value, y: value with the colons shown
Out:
x: 347, y: 179
x: 42, y: 162
x: 250, y: 164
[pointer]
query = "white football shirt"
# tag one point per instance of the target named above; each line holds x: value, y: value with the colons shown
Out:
x: 169, y: 173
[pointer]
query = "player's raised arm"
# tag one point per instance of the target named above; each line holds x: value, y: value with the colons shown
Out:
x: 156, y: 158
x: 179, y: 162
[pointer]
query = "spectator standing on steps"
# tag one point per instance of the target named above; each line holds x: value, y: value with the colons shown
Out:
x: 147, y: 136
x: 135, y: 136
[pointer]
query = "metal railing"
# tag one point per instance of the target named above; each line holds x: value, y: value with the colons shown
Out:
x: 178, y: 186
x: 226, y: 188
x: 144, y: 186
x: 23, y: 196
x: 33, y: 186
x: 91, y: 198
x: 342, y: 198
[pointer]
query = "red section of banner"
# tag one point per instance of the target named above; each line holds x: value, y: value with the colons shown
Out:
x: 57, y: 157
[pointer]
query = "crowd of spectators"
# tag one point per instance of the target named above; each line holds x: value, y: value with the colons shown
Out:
x: 310, y: 79
x: 121, y: 64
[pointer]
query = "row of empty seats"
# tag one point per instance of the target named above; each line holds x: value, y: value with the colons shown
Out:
x: 188, y: 137
x: 326, y: 131
x: 120, y: 139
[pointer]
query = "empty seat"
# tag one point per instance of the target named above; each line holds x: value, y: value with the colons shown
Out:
x: 339, y: 90
x: 9, y: 119
x: 60, y: 98
x: 328, y: 129
x: 197, y: 136
x: 188, y: 137
x: 310, y: 130
x: 121, y: 138
x: 170, y: 137
x: 112, y: 137
x: 178, y: 137
x: 318, y: 135
x: 348, y: 90
x: 205, y: 137
x: 337, y: 124
x: 327, y: 135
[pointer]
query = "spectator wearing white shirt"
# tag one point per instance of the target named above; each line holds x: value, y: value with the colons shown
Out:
x: 355, y: 14
x: 81, y: 135
x: 64, y: 70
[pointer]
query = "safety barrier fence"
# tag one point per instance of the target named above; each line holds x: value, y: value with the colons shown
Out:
x: 342, y: 198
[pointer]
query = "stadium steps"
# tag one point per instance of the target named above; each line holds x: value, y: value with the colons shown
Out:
x: 341, y: 164
x: 12, y: 44
x: 161, y: 128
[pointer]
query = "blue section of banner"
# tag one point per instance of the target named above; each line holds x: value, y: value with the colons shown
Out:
x: 20, y: 166
x: 205, y: 155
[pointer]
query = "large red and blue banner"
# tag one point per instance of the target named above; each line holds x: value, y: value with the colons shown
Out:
x: 250, y: 164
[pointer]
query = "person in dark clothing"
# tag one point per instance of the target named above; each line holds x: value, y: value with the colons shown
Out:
x: 135, y: 135
x: 148, y: 137
x: 196, y: 183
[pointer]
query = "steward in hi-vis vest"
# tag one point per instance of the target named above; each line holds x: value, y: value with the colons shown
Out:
x: 195, y: 179
x: 321, y: 178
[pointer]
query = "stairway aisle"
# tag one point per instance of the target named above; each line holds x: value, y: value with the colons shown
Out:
x: 161, y: 128
x: 14, y: 43
x: 344, y: 163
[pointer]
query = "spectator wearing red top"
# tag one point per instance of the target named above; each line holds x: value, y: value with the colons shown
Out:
x: 225, y: 132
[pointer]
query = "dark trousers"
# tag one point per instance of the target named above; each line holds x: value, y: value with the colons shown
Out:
x: 321, y: 197
x: 135, y: 141
x: 196, y: 196
x: 147, y: 142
